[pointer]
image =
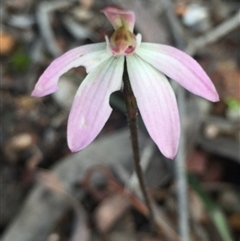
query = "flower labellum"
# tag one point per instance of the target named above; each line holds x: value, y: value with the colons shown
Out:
x: 148, y: 65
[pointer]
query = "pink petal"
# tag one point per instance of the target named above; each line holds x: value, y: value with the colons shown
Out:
x: 180, y: 67
x: 91, y: 108
x: 157, y: 104
x: 89, y: 56
x: 119, y: 17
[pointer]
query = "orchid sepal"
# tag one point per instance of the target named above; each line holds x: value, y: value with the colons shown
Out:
x: 120, y: 18
x: 91, y: 108
x: 180, y: 67
x: 89, y: 56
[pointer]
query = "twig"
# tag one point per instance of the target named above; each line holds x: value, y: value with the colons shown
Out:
x: 43, y: 19
x: 214, y: 34
x: 180, y: 172
x: 177, y: 31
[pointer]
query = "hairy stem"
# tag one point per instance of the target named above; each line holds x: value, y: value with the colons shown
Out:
x: 132, y: 112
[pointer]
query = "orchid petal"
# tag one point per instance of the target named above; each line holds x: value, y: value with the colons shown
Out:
x: 91, y: 108
x: 157, y: 104
x: 119, y: 18
x: 180, y: 67
x: 89, y: 56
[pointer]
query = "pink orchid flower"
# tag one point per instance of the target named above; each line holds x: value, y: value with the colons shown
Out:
x: 147, y: 65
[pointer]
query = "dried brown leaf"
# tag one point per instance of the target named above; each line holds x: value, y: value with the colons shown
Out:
x: 51, y: 181
x: 7, y: 43
x: 109, y: 211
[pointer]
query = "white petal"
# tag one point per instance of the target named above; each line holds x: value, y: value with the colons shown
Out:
x: 89, y: 56
x: 180, y: 67
x: 91, y: 108
x: 157, y: 104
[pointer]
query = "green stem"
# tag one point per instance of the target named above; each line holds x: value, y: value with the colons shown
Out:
x: 132, y: 112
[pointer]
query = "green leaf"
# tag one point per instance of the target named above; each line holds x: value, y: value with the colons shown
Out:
x: 233, y: 103
x: 20, y: 61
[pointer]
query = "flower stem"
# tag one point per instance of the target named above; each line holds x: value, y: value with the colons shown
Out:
x: 132, y: 112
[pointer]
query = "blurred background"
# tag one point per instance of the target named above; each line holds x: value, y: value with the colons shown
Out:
x: 50, y: 194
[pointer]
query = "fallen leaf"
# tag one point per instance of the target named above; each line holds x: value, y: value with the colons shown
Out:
x: 109, y: 211
x: 7, y: 43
